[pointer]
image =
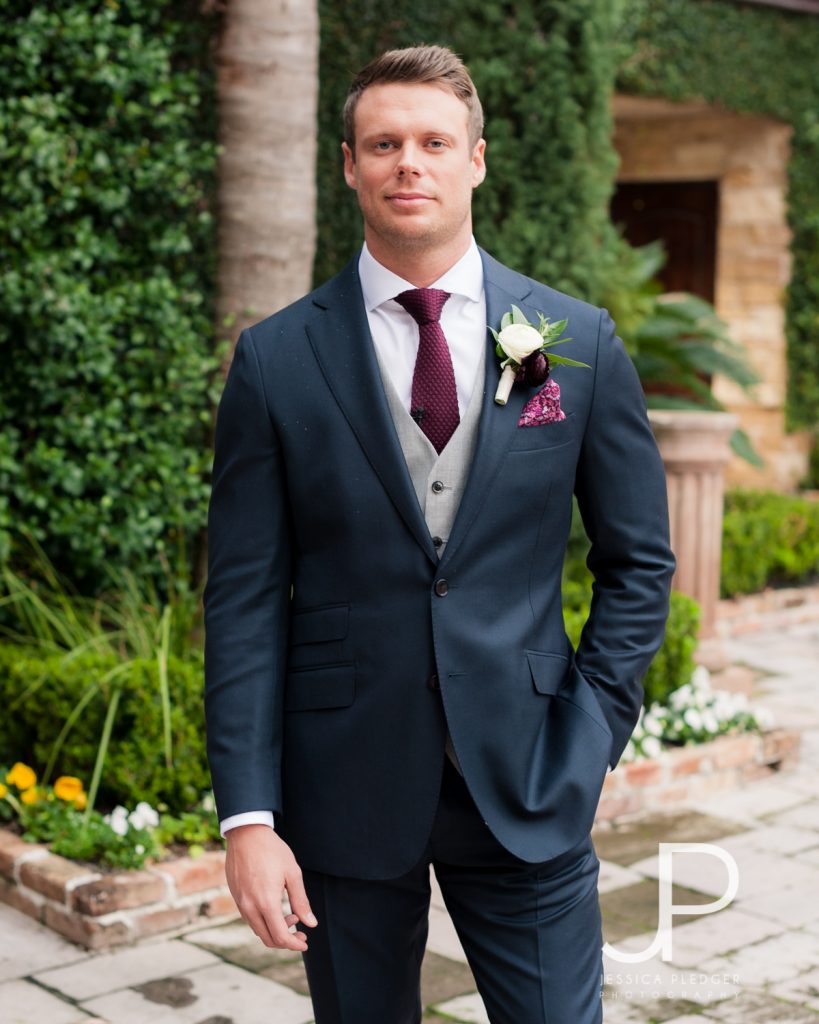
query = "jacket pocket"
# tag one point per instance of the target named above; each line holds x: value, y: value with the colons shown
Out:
x: 319, y: 625
x: 320, y: 686
x: 548, y: 671
x: 544, y: 435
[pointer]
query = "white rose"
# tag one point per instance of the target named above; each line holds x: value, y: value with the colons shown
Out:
x: 519, y: 341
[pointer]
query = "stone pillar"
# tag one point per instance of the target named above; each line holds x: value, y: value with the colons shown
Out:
x: 695, y: 450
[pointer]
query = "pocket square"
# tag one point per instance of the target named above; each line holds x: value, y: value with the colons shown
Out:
x: 543, y: 407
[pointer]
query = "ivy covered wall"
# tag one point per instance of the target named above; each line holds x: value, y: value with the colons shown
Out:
x: 545, y: 72
x: 755, y: 60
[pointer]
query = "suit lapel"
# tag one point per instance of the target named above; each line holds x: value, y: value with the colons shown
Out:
x: 497, y: 424
x: 341, y: 340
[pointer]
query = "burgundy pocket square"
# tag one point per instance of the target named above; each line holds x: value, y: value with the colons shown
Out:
x: 544, y: 407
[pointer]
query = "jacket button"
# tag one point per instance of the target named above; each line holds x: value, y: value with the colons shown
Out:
x: 441, y: 587
x: 432, y: 682
x: 437, y: 486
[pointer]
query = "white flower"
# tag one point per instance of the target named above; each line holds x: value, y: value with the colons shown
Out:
x: 652, y: 725
x: 208, y: 804
x: 118, y: 820
x: 139, y: 848
x: 520, y: 340
x: 693, y: 718
x: 764, y: 718
x: 701, y: 679
x: 652, y: 747
x: 144, y: 816
x: 710, y: 721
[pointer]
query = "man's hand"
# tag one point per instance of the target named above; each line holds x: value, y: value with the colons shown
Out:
x: 259, y: 867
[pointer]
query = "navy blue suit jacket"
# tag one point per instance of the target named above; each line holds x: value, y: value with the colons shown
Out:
x: 324, y: 623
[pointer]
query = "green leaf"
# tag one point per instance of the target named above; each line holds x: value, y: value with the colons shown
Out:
x: 563, y: 361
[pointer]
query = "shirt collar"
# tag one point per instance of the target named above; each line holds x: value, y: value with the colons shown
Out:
x: 379, y: 285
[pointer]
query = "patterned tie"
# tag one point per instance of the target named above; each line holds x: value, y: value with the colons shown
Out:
x: 434, y: 397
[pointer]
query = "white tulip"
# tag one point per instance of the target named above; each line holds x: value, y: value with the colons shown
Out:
x: 519, y: 341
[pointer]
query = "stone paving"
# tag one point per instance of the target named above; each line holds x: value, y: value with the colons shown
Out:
x: 754, y: 962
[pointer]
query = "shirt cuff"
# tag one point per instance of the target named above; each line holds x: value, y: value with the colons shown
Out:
x: 246, y: 818
x: 609, y: 769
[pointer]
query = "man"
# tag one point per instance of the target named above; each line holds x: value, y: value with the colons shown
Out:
x: 389, y: 681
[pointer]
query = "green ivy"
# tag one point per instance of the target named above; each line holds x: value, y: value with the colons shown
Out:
x: 545, y: 72
x: 754, y: 60
x: 107, y: 165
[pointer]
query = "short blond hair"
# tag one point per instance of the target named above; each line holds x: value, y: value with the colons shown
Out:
x: 437, y: 65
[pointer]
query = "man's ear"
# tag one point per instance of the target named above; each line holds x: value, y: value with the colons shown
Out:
x: 349, y: 166
x: 478, y: 163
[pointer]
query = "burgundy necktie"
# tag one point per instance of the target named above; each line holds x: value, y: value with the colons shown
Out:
x: 434, y: 397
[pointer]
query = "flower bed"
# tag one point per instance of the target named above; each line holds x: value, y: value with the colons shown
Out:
x: 100, y: 910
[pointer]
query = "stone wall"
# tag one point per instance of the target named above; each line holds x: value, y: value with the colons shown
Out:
x: 747, y: 155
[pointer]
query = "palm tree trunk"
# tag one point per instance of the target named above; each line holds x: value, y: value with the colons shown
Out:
x: 267, y: 66
x: 268, y: 94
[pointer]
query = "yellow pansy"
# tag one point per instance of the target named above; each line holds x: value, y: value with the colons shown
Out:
x: 80, y: 801
x: 30, y: 795
x: 67, y: 787
x: 3, y: 790
x: 21, y: 776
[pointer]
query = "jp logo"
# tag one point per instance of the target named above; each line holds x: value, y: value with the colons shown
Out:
x: 667, y: 908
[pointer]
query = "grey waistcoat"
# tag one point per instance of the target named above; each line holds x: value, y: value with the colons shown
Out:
x: 429, y: 470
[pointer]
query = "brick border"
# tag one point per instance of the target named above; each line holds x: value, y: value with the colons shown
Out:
x: 694, y: 772
x: 99, y: 911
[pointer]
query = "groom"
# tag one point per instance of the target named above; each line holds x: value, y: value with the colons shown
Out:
x: 389, y: 683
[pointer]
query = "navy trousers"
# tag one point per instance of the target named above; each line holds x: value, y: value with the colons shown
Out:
x: 531, y: 932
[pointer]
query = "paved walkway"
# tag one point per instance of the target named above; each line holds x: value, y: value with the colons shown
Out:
x: 754, y: 962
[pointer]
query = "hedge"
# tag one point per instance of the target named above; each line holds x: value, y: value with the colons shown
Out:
x: 38, y: 693
x: 107, y: 243
x: 768, y: 539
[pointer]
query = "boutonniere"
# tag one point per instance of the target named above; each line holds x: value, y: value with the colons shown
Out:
x: 522, y: 347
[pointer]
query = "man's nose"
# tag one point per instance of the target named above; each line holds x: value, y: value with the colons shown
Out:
x: 409, y: 160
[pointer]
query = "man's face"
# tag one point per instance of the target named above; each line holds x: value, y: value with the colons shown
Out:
x: 414, y: 169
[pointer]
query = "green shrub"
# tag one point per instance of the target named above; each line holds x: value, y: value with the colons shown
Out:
x: 39, y: 691
x: 107, y: 169
x: 768, y: 539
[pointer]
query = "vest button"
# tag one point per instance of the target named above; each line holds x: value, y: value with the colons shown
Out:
x: 437, y: 541
x: 437, y: 486
x: 432, y: 682
x: 441, y: 587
